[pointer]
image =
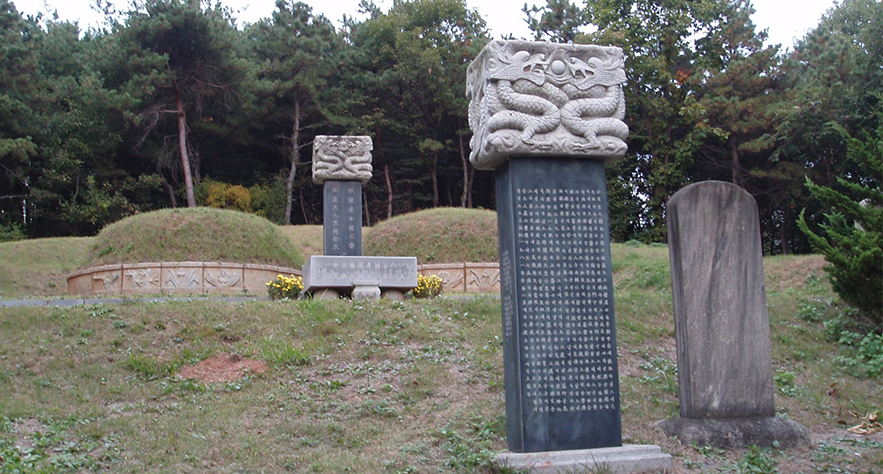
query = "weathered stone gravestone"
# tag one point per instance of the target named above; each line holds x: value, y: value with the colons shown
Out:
x: 342, y: 164
x: 725, y: 369
x: 546, y: 117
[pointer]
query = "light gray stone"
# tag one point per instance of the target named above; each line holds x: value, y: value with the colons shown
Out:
x: 543, y: 99
x: 393, y: 295
x: 366, y: 290
x: 623, y: 459
x: 342, y: 158
x: 326, y: 294
x: 721, y: 322
x: 325, y: 271
x: 765, y: 432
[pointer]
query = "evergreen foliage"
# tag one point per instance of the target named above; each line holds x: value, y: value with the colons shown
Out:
x: 852, y: 239
x: 102, y: 124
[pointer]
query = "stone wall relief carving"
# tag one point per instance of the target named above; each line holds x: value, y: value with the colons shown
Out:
x: 484, y: 279
x: 107, y: 279
x: 142, y: 278
x: 182, y: 279
x: 223, y: 278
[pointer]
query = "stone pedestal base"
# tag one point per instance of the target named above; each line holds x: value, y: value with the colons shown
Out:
x: 623, y: 459
x: 765, y: 432
x: 366, y: 291
x: 326, y: 294
x: 393, y: 295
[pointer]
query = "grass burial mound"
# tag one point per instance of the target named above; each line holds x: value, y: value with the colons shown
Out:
x: 445, y: 235
x: 193, y: 235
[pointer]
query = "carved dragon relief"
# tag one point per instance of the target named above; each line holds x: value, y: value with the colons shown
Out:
x: 541, y: 98
x: 343, y: 158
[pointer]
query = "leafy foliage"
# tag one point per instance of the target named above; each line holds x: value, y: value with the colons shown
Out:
x: 853, y: 237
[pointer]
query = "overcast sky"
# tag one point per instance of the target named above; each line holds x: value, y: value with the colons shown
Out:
x: 786, y: 20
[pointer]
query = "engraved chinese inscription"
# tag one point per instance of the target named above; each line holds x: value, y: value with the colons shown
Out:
x: 566, y: 298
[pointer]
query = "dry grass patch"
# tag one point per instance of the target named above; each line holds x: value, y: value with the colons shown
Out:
x: 308, y: 239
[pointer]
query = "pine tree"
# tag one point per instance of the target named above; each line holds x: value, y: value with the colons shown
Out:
x: 853, y: 237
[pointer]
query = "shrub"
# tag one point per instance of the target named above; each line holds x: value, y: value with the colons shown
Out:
x: 285, y: 288
x: 11, y: 233
x: 428, y: 286
x: 852, y: 239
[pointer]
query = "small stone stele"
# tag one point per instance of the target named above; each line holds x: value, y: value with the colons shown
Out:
x: 535, y: 98
x: 342, y: 158
x: 725, y: 372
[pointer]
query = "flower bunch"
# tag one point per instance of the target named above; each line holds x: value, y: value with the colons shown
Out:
x: 285, y: 287
x: 428, y: 286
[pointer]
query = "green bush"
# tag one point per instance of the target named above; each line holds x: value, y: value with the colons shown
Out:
x: 852, y: 239
x: 11, y: 233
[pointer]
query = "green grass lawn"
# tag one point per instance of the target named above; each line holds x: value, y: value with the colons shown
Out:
x: 413, y: 387
x: 379, y: 388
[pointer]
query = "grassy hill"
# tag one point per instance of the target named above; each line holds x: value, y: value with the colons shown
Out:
x: 40, y: 267
x: 377, y: 388
x: 444, y: 235
x: 198, y: 234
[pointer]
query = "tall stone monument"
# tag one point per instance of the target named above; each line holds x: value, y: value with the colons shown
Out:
x: 725, y: 371
x: 546, y: 117
x: 343, y: 165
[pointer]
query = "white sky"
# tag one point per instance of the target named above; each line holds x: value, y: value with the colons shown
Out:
x: 786, y: 20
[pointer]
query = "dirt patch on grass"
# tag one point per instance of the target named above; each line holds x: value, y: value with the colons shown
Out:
x: 793, y: 271
x: 222, y: 368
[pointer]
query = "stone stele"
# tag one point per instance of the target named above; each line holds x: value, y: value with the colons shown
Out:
x: 342, y: 158
x: 537, y: 98
x: 725, y: 372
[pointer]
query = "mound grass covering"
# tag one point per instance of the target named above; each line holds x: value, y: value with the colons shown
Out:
x: 39, y: 267
x: 200, y: 234
x: 445, y: 235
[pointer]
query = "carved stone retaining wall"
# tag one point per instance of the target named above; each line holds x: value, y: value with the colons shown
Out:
x: 175, y: 278
x: 213, y: 277
x: 465, y: 277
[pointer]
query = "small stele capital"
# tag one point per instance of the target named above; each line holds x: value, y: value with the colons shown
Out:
x: 535, y: 98
x: 342, y: 158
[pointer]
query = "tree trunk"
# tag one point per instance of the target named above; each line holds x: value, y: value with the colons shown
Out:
x: 435, y: 180
x: 471, y: 180
x: 295, y: 139
x: 465, y: 197
x: 367, y: 213
x: 182, y: 146
x: 734, y: 153
x: 783, y: 231
x: 169, y: 189
x: 303, y: 207
x: 388, y: 192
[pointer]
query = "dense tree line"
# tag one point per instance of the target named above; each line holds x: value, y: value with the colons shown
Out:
x: 173, y: 103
